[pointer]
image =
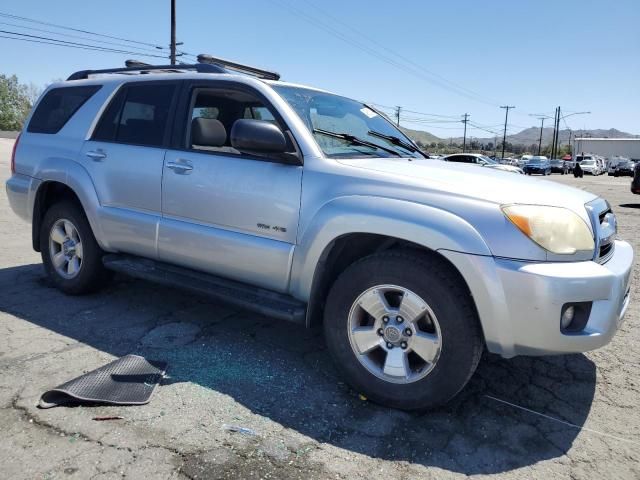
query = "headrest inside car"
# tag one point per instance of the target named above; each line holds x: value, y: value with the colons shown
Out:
x: 208, y: 132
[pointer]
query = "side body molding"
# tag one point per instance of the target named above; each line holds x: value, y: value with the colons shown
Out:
x: 75, y: 176
x: 430, y: 227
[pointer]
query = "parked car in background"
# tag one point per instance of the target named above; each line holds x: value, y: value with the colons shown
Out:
x: 612, y: 163
x: 635, y: 183
x: 522, y: 161
x: 602, y: 165
x: 509, y: 161
x: 624, y: 168
x: 588, y: 164
x: 559, y: 166
x: 540, y: 166
x: 481, y: 160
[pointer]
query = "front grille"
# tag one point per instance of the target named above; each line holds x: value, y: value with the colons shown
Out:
x: 604, y: 228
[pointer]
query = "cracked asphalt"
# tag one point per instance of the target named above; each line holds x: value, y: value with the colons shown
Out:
x: 574, y: 416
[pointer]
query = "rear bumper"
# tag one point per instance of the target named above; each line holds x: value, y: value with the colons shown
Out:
x: 520, y: 303
x: 20, y: 190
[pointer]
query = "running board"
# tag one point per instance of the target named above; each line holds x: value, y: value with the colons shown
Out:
x: 266, y: 302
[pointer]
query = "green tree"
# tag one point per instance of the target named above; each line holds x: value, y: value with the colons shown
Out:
x: 15, y: 103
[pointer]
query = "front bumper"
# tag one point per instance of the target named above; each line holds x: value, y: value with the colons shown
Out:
x: 520, y: 303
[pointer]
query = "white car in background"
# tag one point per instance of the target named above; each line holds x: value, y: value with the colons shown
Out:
x: 481, y: 160
x: 589, y: 164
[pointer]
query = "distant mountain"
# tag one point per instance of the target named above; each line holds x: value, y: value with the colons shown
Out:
x: 528, y: 136
x: 420, y: 136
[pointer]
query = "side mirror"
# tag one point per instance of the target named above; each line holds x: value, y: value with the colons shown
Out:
x: 257, y: 136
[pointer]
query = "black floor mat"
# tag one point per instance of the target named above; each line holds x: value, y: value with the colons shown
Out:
x: 130, y: 380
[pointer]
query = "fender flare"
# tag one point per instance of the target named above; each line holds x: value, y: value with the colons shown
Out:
x: 431, y: 227
x: 74, y: 176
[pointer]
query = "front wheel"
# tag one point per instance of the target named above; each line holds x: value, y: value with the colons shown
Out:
x: 403, y: 330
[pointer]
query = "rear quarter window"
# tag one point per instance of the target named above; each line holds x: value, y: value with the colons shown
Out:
x: 58, y: 106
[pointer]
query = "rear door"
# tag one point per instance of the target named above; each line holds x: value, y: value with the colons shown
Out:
x: 124, y: 158
x: 225, y: 212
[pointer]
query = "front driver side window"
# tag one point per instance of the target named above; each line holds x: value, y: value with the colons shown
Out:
x: 212, y: 115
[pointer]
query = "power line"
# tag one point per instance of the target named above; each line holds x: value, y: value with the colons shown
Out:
x: 371, y: 51
x: 31, y: 20
x: 64, y: 43
x: 400, y: 56
x: 68, y: 35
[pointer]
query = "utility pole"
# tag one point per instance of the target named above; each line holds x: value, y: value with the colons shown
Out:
x: 464, y: 137
x: 556, y: 128
x: 506, y: 117
x: 557, y: 149
x: 542, y: 118
x: 540, y: 139
x: 553, y: 136
x: 398, y: 109
x: 570, y: 149
x: 173, y: 32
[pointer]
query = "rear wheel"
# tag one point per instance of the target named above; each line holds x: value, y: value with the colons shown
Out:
x: 70, y: 253
x: 402, y: 329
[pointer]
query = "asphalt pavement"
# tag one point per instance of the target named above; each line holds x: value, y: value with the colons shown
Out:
x: 572, y: 416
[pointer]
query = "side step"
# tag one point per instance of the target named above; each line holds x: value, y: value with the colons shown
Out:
x: 257, y: 299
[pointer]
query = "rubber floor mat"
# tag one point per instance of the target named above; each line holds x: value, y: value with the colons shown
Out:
x: 129, y: 380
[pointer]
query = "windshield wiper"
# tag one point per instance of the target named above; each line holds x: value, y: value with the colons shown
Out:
x: 355, y: 140
x: 395, y: 140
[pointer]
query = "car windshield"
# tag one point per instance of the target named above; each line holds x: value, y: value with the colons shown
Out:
x: 580, y: 158
x: 346, y: 128
x: 588, y: 161
x: 535, y: 161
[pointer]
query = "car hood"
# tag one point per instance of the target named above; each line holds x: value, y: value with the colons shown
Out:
x: 487, y: 184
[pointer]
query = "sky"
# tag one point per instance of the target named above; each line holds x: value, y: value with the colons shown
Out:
x: 437, y: 60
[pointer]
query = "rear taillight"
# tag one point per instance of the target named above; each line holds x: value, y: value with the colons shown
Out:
x: 13, y: 154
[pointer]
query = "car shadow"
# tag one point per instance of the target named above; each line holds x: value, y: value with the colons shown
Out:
x: 283, y: 372
x: 630, y: 205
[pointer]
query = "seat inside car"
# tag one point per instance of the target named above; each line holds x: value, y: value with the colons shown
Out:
x: 209, y: 134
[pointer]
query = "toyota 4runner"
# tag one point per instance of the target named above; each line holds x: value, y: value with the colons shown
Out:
x: 314, y: 208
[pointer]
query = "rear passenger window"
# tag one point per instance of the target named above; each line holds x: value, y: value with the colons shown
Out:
x: 58, y: 106
x: 138, y: 115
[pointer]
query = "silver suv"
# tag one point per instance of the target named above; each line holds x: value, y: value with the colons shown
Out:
x: 314, y: 208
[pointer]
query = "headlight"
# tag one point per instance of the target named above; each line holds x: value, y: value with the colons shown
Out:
x: 556, y: 229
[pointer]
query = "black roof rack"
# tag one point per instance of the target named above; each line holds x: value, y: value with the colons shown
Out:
x: 144, y: 68
x: 238, y: 67
x: 206, y: 64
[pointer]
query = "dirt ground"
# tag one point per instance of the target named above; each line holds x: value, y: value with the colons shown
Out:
x: 574, y: 416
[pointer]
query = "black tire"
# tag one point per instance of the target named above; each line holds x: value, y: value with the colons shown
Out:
x: 433, y: 280
x: 92, y: 274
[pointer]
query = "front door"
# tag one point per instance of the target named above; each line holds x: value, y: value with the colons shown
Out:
x: 225, y: 212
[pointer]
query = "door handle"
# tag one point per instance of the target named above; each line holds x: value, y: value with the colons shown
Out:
x: 96, y: 155
x: 184, y: 168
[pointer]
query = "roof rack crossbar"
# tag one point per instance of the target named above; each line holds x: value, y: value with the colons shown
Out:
x: 198, y: 67
x: 239, y: 67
